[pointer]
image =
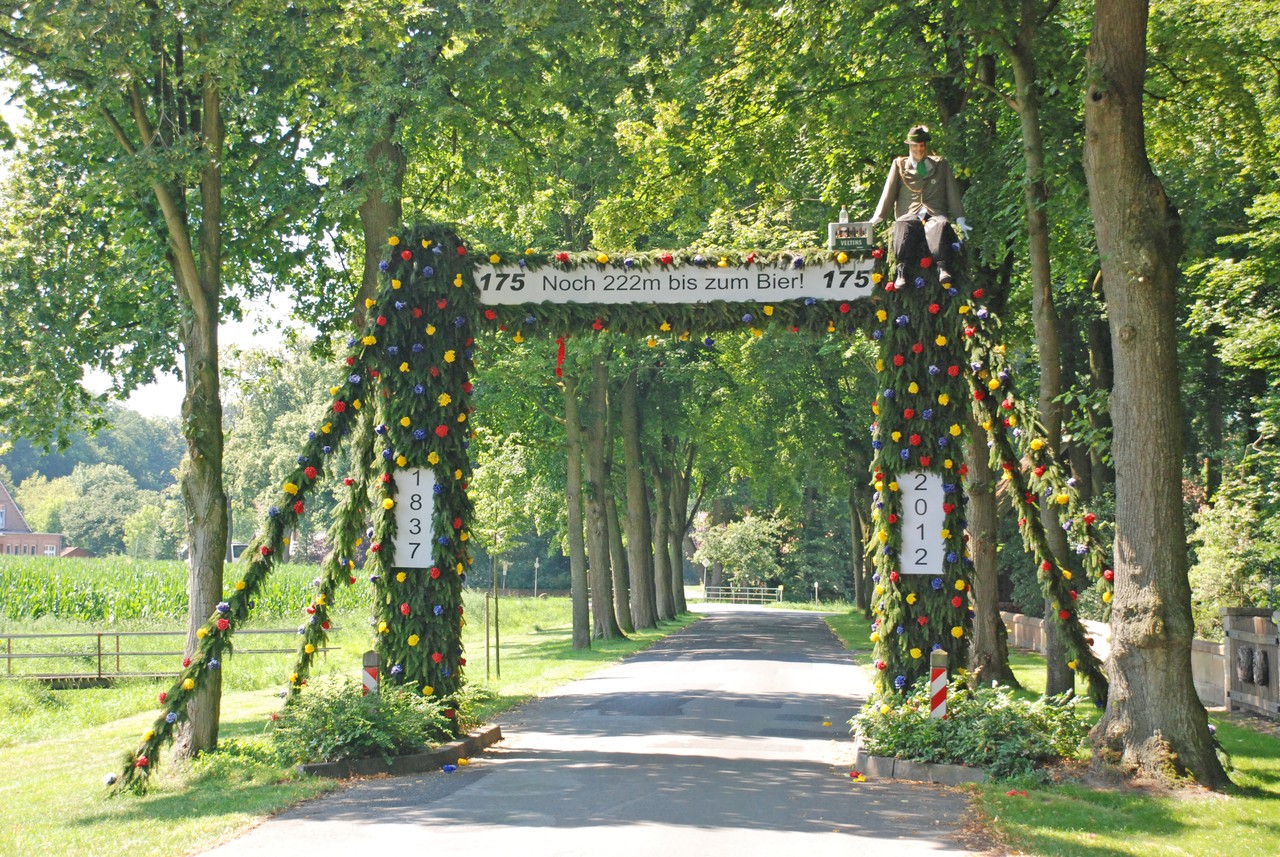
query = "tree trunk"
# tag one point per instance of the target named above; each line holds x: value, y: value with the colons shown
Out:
x: 599, y: 567
x: 639, y: 532
x: 618, y: 561
x: 573, y: 500
x: 382, y: 208
x: 200, y: 290
x: 661, y: 555
x: 989, y: 660
x: 1103, y: 379
x: 857, y: 538
x: 1154, y: 721
x: 678, y: 496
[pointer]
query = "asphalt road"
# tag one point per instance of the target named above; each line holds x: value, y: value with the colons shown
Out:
x: 712, y: 742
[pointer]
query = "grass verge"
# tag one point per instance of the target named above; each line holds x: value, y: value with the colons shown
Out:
x: 1085, y: 819
x: 60, y: 744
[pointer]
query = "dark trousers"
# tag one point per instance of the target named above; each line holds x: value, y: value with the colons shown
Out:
x: 913, y: 236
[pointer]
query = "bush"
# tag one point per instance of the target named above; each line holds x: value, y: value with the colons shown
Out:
x: 330, y: 720
x: 986, y: 727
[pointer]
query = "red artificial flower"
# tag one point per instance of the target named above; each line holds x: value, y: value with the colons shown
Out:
x: 934, y: 309
x: 1089, y: 517
x: 466, y: 387
x: 435, y: 573
x: 1064, y: 615
x: 436, y: 657
x: 490, y: 314
x: 462, y: 662
x: 348, y: 481
x: 264, y: 550
x: 223, y: 624
x: 597, y: 325
x: 351, y: 581
x: 844, y: 307
x: 311, y: 609
x: 382, y: 321
x: 386, y: 477
x: 894, y: 576
x: 979, y: 293
x: 898, y: 360
x: 914, y: 439
x: 406, y: 255
x: 979, y: 395
x: 889, y: 286
x: 964, y: 470
x: 1108, y: 575
x: 462, y: 251
x: 140, y: 762
x: 1046, y: 566
x: 665, y: 258
x: 953, y: 371
x: 948, y: 508
x: 417, y: 312
x: 442, y: 303
x: 449, y: 713
x: 186, y: 662
x: 1074, y: 595
x: 1007, y: 404
x: 917, y: 348
x: 922, y: 620
x: 404, y: 609
x: 373, y: 373
x: 1029, y: 498
x: 1007, y: 465
x: 324, y: 625
x: 880, y: 665
x: 442, y: 431
x: 457, y: 523
x: 957, y: 601
x: 502, y: 328
x: 877, y: 253
x: 926, y: 262
x: 908, y: 413
x: 298, y: 507
x: 351, y: 361
x: 969, y: 332
x: 459, y: 609
x: 434, y: 371
x: 376, y: 547
x: 562, y: 258
x: 163, y: 696
x: 924, y: 460
x: 751, y: 257
x: 893, y: 519
x: 310, y: 473
x: 1039, y: 471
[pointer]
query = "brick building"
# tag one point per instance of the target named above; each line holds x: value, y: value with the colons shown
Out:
x: 16, y: 538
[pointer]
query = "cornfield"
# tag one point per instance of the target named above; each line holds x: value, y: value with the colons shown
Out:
x: 125, y: 589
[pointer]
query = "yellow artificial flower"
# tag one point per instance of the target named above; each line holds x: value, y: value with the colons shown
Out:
x: 528, y: 251
x: 993, y: 384
x: 356, y: 404
x: 879, y: 365
x: 202, y: 632
x: 333, y: 391
x: 405, y: 421
x: 431, y: 330
x: 948, y: 464
x: 457, y: 474
x: 401, y: 460
x: 1063, y: 499
x: 400, y: 577
x: 684, y: 336
x: 883, y: 536
x: 413, y: 640
x: 395, y: 284
x: 723, y: 263
x: 916, y: 653
x: 911, y: 598
x: 1071, y: 665
x: 879, y: 485
x: 368, y: 303
x: 913, y: 387
x: 1066, y: 574
x: 148, y: 735
x: 877, y: 277
x: 443, y: 399
x: 433, y: 458
x: 651, y: 342
x: 1037, y: 444
x: 464, y: 537
x: 896, y: 436
x: 944, y: 399
x: 881, y: 315
x: 842, y: 257
x: 427, y: 690
x: 240, y: 585
x: 959, y: 586
x: 957, y: 632
x: 457, y: 281
x: 831, y: 327
x: 940, y: 340
x: 893, y: 486
x: 309, y: 649
x: 462, y: 418
x: 955, y: 430
x: 370, y: 340
x: 404, y: 367
x: 326, y: 428
x: 450, y: 356
x: 393, y: 241
x: 665, y: 326
x: 875, y: 408
x: 757, y: 332
x: 382, y: 627
x: 1106, y: 598
x: 1013, y: 421
x: 388, y: 503
x: 290, y: 488
x: 518, y: 338
x: 188, y: 684
x: 494, y: 258
x: 946, y: 534
x: 963, y: 309
x: 293, y: 678
x: 426, y: 242
x: 602, y: 258
x: 458, y: 568
x: 767, y: 310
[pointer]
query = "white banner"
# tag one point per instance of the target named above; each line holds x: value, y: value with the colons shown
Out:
x: 923, y: 518
x: 688, y: 284
x: 414, y: 511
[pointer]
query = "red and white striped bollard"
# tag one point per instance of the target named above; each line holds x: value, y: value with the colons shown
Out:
x: 938, y: 684
x: 369, y: 674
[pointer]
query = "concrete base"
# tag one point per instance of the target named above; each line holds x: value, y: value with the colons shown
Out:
x: 445, y: 754
x: 889, y: 768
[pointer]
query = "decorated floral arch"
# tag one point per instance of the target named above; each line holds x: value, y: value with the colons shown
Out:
x: 401, y: 403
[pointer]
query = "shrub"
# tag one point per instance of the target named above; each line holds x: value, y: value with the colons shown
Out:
x: 330, y: 720
x: 986, y: 727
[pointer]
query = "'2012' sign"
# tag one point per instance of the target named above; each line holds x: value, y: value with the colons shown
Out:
x: 923, y: 517
x: 414, y: 513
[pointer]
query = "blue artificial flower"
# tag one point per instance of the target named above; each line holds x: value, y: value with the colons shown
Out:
x: 810, y: 301
x: 438, y: 610
x: 708, y: 342
x: 628, y: 263
x: 902, y: 320
x: 302, y: 459
x: 698, y: 260
x: 417, y: 348
x: 273, y: 511
x: 1081, y: 550
x: 213, y: 663
x: 419, y: 434
x: 400, y: 305
x: 443, y: 541
x: 467, y: 354
x: 888, y: 394
x: 393, y: 350
x: 905, y: 454
x: 311, y: 435
x: 875, y: 578
x: 373, y: 578
x: 437, y: 249
x: 528, y: 319
x: 437, y: 488
x: 326, y: 449
x: 387, y: 455
x: 418, y: 389
x: 171, y: 717
x: 955, y: 246
x: 899, y: 630
x: 877, y: 445
x: 1004, y: 375
x: 368, y: 533
x: 944, y: 442
x: 797, y: 262
x: 223, y: 607
x: 384, y: 266
x: 934, y: 370
x: 936, y: 583
x: 899, y: 681
x: 951, y: 557
x: 948, y: 488
x: 919, y: 282
x: 937, y: 647
x: 746, y: 318
x: 877, y: 334
x: 397, y: 669
x: 459, y: 321
x: 927, y: 414
x: 351, y: 342
x: 952, y: 291
x: 428, y: 271
x: 982, y: 313
x: 446, y: 672
x: 522, y: 263
x: 380, y: 428
x: 975, y: 366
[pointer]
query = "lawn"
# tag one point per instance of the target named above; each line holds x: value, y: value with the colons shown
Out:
x: 1081, y: 818
x: 56, y: 746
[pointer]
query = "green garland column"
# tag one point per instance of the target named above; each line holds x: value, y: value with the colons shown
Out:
x: 920, y: 417
x: 416, y: 357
